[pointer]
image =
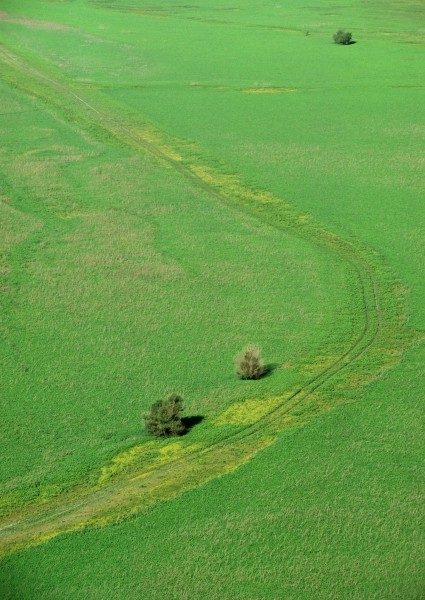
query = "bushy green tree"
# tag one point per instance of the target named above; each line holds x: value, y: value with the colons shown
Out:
x: 343, y: 37
x: 164, y: 417
x: 249, y: 364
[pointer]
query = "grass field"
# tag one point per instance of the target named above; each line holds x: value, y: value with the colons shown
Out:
x: 177, y: 181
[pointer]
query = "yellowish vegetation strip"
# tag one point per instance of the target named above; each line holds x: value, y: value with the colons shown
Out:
x: 32, y: 23
x: 269, y: 90
x: 248, y: 412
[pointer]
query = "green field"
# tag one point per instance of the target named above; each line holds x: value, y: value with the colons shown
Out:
x: 177, y: 181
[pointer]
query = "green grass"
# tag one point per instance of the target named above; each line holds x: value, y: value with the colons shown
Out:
x: 158, y: 289
x: 134, y: 273
x: 329, y: 511
x: 125, y: 278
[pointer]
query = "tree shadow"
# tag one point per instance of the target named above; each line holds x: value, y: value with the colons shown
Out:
x: 190, y: 422
x: 268, y: 369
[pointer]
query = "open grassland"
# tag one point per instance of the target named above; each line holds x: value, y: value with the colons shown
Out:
x: 127, y: 270
x: 177, y: 181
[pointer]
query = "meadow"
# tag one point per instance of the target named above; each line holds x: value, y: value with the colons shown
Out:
x: 176, y: 182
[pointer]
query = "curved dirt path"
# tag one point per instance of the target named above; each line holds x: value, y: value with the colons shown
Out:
x: 198, y: 462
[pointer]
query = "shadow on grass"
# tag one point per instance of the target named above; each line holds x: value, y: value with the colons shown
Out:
x: 268, y: 369
x: 190, y: 422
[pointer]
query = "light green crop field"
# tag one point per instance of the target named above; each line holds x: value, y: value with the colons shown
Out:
x: 176, y: 182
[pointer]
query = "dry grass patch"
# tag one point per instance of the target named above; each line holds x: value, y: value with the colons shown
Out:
x: 269, y: 90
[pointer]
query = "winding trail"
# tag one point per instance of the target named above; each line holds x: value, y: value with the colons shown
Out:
x: 196, y: 463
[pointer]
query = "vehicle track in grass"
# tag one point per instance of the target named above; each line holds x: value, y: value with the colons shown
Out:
x: 201, y: 462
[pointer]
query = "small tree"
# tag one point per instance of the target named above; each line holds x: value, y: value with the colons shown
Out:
x: 249, y: 364
x: 164, y: 419
x: 343, y: 38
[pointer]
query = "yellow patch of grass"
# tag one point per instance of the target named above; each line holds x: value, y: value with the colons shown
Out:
x: 269, y: 90
x: 248, y: 411
x: 154, y: 138
x: 122, y: 461
x: 146, y: 455
x: 173, y: 451
x: 231, y: 186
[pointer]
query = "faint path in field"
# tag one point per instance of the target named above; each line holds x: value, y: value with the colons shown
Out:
x: 32, y: 23
x: 199, y: 462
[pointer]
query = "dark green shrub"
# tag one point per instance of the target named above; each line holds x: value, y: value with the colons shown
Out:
x: 249, y: 365
x: 344, y: 38
x: 164, y: 417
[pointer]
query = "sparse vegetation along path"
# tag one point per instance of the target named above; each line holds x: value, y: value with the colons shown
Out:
x: 193, y: 464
